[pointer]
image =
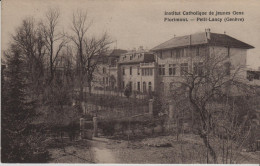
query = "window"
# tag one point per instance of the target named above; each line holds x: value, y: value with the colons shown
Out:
x: 144, y: 86
x: 228, y: 54
x: 104, y: 70
x: 123, y: 85
x: 227, y: 68
x: 138, y: 86
x: 123, y: 71
x: 106, y: 80
x: 113, y: 62
x: 130, y: 70
x: 150, y: 72
x: 130, y: 85
x: 147, y: 72
x: 172, y: 69
x: 138, y: 70
x: 103, y: 80
x: 150, y: 86
x: 161, y: 69
x: 131, y: 57
x: 184, y: 68
x: 197, y: 51
x: 178, y: 53
x: 181, y: 53
x: 198, y: 68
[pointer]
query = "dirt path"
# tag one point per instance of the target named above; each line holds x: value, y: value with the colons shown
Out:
x: 85, y: 151
x: 101, y: 153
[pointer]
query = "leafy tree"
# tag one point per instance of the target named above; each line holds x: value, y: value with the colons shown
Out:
x: 19, y: 137
x: 29, y: 39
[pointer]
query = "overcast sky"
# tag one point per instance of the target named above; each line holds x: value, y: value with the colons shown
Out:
x: 141, y: 23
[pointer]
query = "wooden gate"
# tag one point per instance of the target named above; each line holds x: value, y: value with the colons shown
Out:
x: 88, y: 128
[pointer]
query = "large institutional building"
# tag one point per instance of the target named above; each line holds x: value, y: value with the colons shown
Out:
x: 156, y: 70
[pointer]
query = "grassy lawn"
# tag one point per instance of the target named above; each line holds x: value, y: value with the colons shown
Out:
x: 70, y: 151
x: 189, y: 150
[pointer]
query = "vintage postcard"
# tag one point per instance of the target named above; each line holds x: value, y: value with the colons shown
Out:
x: 130, y: 82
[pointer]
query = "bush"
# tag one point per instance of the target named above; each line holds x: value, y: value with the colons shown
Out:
x: 108, y: 127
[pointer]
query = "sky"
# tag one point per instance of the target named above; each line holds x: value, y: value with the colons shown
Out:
x: 141, y: 23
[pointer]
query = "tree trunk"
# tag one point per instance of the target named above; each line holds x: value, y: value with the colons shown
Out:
x: 51, y: 62
x: 81, y: 91
x: 89, y: 88
x: 211, y: 150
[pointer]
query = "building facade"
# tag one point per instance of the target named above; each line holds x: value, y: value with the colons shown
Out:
x: 138, y: 69
x: 161, y: 68
x: 184, y: 54
x: 107, y: 70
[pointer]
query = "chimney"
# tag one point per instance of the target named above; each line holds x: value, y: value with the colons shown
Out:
x: 207, y: 33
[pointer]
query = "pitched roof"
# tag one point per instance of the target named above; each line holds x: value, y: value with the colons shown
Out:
x: 117, y: 52
x: 201, y: 38
x: 225, y: 40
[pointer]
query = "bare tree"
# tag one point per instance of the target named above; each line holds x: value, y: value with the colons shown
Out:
x: 80, y: 27
x: 89, y: 49
x: 54, y: 39
x: 204, y: 84
x: 234, y: 125
x: 95, y: 50
x: 66, y: 62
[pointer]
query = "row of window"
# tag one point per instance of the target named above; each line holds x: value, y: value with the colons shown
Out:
x: 145, y: 72
x: 182, y: 52
x: 132, y: 56
x: 183, y: 69
x: 139, y: 86
x: 105, y: 80
x: 197, y: 69
x: 172, y: 69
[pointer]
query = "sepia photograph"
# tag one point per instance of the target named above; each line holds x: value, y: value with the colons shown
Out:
x: 130, y: 81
